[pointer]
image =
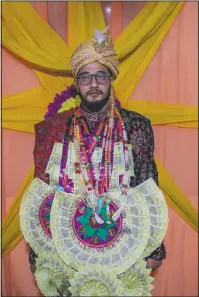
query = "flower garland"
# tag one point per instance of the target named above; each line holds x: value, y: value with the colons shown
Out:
x: 67, y: 100
x: 59, y: 99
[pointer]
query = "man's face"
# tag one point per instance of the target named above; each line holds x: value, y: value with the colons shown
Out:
x: 95, y: 94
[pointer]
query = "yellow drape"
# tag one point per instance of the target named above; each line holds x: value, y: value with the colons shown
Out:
x: 22, y: 111
x: 165, y: 113
x: 175, y: 197
x: 11, y: 233
x: 19, y: 21
x: 137, y: 47
x: 27, y: 36
x: 139, y: 42
x: 88, y: 17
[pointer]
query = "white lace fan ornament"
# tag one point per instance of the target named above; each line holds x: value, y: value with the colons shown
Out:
x: 35, y: 216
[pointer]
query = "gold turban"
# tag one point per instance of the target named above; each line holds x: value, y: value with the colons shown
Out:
x: 98, y: 49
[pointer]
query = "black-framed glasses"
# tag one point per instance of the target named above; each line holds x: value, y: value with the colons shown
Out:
x: 101, y: 77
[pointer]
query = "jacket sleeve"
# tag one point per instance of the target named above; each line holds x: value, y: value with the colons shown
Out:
x: 40, y: 161
x: 42, y: 149
x: 159, y: 253
x: 47, y: 133
x: 145, y: 167
x: 151, y: 171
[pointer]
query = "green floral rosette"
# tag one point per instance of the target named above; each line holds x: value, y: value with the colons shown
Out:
x: 137, y: 280
x: 97, y: 282
x: 52, y: 275
x: 90, y: 281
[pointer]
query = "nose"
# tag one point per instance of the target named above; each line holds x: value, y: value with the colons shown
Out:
x: 93, y: 83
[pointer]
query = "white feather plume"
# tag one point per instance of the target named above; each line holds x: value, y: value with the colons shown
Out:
x: 100, y: 36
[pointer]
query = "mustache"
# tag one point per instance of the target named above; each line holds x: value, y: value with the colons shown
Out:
x: 94, y: 91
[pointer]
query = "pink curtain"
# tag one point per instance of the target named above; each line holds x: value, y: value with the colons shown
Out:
x: 171, y: 77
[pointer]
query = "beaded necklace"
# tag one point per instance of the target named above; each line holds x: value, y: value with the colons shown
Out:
x: 96, y: 188
x: 84, y: 157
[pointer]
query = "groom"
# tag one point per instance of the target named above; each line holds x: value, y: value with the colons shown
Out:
x: 95, y: 66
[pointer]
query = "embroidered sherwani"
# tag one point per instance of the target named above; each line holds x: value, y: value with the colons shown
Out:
x: 139, y: 133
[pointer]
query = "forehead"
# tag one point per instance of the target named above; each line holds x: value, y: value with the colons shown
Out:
x: 93, y: 67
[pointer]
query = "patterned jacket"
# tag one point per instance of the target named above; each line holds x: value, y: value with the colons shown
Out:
x: 140, y: 135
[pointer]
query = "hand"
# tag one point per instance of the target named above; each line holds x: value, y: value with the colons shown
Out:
x: 153, y: 264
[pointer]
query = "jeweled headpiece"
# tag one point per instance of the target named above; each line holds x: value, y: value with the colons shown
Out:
x: 98, y: 49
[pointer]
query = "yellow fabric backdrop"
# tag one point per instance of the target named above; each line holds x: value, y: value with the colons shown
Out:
x: 22, y: 111
x: 140, y: 40
x: 27, y: 36
x: 11, y: 233
x: 138, y: 43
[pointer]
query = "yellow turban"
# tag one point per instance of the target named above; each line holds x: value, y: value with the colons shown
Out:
x: 98, y: 49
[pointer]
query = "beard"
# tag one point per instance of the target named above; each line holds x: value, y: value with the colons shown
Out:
x: 96, y: 105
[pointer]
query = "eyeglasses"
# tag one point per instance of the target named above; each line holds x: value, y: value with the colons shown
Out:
x: 101, y: 78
